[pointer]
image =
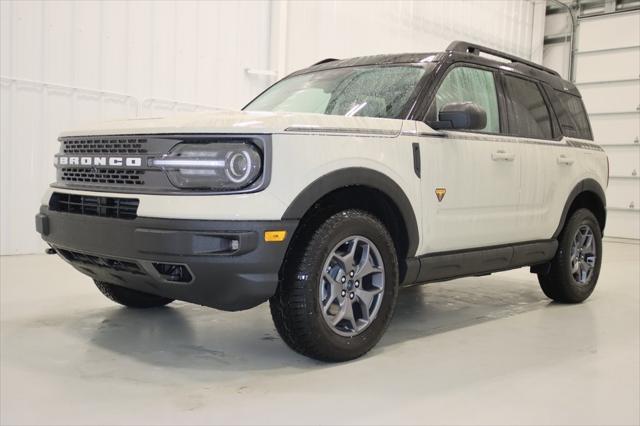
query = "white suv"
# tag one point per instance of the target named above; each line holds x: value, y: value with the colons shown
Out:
x: 334, y: 188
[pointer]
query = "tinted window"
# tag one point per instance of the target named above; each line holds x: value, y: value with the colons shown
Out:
x: 527, y: 111
x: 464, y: 84
x: 571, y: 114
x: 366, y: 91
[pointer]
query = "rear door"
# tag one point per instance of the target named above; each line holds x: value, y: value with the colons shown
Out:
x: 470, y: 179
x: 549, y: 166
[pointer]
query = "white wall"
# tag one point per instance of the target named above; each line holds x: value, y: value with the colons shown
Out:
x: 65, y: 62
x: 607, y: 71
x: 340, y: 29
x: 556, y: 55
x: 191, y: 51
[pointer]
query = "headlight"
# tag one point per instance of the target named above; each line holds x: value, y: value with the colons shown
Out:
x: 218, y: 166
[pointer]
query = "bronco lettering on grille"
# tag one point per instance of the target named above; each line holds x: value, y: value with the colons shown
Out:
x: 99, y: 161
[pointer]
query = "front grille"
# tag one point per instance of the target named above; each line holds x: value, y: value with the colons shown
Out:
x: 122, y: 164
x: 117, y: 163
x: 102, y: 262
x: 120, y: 208
x: 112, y: 146
x: 102, y: 176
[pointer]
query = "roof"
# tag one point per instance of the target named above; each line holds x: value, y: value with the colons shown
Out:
x: 457, y: 50
x: 396, y: 58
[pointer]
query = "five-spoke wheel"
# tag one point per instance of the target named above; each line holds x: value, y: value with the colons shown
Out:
x: 339, y: 286
x: 583, y: 254
x: 572, y: 274
x: 352, y: 285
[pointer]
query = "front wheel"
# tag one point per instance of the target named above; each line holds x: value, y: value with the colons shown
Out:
x: 339, y: 288
x: 574, y: 270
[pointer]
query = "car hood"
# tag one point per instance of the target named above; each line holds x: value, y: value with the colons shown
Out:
x: 248, y: 122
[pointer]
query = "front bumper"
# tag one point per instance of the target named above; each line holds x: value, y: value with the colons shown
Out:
x: 225, y: 264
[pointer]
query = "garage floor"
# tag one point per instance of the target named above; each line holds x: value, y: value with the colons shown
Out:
x: 487, y: 350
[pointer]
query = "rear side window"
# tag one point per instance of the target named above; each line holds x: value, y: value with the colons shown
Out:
x: 571, y: 114
x: 528, y: 115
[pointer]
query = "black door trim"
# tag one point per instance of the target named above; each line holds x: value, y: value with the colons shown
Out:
x: 462, y: 263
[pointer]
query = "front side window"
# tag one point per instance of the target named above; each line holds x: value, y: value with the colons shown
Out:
x: 366, y: 91
x: 466, y: 84
x: 526, y: 109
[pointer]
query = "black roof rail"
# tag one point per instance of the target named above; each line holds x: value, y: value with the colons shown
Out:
x: 324, y: 61
x: 474, y: 49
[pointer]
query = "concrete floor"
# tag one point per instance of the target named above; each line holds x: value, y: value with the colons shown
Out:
x: 488, y: 350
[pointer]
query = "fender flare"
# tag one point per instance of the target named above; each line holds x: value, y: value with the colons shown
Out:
x: 358, y: 176
x: 587, y: 185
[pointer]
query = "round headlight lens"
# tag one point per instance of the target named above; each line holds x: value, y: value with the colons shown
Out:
x: 238, y: 166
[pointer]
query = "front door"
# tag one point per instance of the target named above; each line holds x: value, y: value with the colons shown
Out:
x: 470, y: 179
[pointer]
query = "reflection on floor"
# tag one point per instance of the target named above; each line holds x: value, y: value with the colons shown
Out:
x: 478, y: 350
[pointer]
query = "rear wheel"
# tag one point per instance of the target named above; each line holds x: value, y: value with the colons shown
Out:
x: 574, y: 270
x: 131, y: 298
x: 339, y: 288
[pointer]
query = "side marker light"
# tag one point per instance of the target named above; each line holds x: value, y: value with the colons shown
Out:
x: 274, y: 236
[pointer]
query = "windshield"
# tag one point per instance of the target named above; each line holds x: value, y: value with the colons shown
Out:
x: 366, y: 91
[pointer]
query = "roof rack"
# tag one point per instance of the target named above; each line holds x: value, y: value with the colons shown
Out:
x: 324, y: 61
x: 474, y: 49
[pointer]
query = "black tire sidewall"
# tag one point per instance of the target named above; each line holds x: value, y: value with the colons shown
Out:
x: 332, y: 232
x: 569, y: 287
x: 131, y: 298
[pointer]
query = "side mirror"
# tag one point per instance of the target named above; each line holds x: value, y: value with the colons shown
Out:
x: 460, y: 115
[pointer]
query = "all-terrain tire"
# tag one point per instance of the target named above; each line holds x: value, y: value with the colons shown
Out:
x: 559, y: 282
x: 131, y: 298
x: 296, y: 308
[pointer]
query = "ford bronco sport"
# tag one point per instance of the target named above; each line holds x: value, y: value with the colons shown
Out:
x: 335, y: 187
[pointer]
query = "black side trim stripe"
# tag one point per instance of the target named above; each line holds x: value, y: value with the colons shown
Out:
x: 457, y: 264
x: 584, y: 145
x: 566, y: 142
x: 341, y: 130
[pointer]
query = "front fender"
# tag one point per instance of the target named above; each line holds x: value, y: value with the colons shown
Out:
x: 357, y: 176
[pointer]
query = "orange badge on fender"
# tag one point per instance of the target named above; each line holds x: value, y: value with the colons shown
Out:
x: 440, y: 193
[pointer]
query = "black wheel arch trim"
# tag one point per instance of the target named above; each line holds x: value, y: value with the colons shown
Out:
x: 358, y: 176
x: 586, y: 185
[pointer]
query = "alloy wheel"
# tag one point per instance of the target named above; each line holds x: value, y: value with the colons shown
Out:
x: 583, y: 255
x: 352, y: 286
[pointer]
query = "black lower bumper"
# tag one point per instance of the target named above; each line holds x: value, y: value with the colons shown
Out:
x: 222, y: 264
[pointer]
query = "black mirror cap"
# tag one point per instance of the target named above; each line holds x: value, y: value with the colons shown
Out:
x: 461, y: 115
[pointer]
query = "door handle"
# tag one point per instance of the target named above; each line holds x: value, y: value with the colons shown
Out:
x: 563, y: 159
x: 503, y: 156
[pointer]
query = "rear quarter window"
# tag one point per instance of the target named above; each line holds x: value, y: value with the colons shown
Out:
x: 571, y: 114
